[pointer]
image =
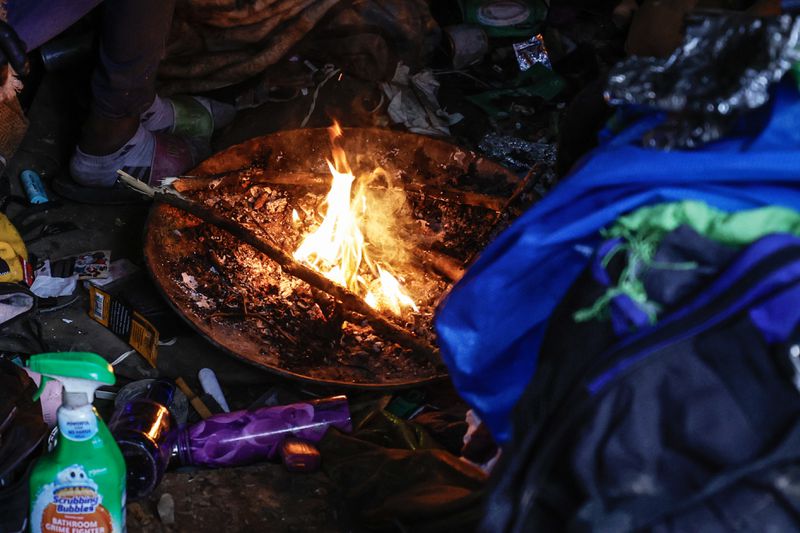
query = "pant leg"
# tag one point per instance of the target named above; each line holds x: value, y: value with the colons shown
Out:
x: 132, y: 44
x: 38, y: 21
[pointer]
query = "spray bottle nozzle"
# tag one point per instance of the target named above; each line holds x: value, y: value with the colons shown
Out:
x: 79, y: 372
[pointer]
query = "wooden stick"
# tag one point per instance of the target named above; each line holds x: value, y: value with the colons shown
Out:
x: 193, y: 398
x: 349, y: 300
x: 449, y: 267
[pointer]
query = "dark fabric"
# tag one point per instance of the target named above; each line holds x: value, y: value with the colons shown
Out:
x: 21, y: 433
x: 132, y: 41
x: 132, y: 45
x: 21, y: 334
x: 38, y: 21
x: 646, y: 435
x: 447, y: 427
x: 670, y: 286
x: 395, y: 477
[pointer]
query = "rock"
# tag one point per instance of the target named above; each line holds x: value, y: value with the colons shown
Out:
x: 166, y: 509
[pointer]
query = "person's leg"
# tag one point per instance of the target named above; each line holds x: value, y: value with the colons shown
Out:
x: 123, y: 86
x: 38, y: 21
x: 117, y: 135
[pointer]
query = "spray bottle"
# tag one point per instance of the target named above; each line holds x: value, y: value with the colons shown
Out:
x: 80, y: 484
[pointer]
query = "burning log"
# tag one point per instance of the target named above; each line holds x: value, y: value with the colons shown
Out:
x: 449, y: 267
x: 349, y: 301
x: 312, y: 180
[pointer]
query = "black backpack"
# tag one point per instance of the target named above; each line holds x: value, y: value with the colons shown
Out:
x: 692, y: 424
x: 22, y: 431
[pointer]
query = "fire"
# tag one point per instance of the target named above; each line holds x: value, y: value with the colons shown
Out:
x: 337, y: 249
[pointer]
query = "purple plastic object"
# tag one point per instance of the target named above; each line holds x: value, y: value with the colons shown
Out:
x: 245, y: 437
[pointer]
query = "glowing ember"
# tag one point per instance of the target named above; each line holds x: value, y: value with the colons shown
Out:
x: 336, y: 249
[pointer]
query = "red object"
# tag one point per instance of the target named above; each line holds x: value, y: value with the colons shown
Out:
x: 27, y: 272
x: 300, y: 456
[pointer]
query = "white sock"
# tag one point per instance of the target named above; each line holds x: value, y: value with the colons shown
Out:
x: 135, y: 158
x: 159, y: 116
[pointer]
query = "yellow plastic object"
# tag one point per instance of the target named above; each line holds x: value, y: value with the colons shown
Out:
x: 12, y: 251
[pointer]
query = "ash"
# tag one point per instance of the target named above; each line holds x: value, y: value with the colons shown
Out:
x: 236, y: 287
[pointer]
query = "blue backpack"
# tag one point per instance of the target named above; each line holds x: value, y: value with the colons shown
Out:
x: 692, y: 424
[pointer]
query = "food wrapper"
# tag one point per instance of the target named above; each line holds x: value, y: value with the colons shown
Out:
x: 532, y: 52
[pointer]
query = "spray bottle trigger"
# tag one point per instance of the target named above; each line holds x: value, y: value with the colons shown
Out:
x: 41, y: 388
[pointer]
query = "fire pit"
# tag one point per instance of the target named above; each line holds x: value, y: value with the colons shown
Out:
x: 392, y: 217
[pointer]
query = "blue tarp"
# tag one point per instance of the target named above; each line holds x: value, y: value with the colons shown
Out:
x: 491, y: 325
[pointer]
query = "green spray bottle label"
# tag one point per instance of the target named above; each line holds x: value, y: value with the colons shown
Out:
x: 79, y: 487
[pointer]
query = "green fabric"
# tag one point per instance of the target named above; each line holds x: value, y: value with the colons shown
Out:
x: 643, y: 230
x: 192, y: 119
x: 648, y: 225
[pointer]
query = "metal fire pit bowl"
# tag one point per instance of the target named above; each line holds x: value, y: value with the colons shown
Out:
x: 183, y: 266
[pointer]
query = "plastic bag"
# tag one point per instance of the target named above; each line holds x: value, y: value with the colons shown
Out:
x: 725, y: 66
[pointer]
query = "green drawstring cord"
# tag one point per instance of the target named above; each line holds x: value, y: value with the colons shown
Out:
x: 640, y: 253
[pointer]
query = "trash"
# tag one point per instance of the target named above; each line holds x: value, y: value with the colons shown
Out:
x: 125, y: 322
x: 468, y: 44
x: 82, y: 480
x: 166, y: 509
x: 210, y: 384
x: 34, y: 188
x: 391, y: 472
x: 49, y: 397
x: 88, y: 265
x: 47, y: 286
x: 189, y: 281
x: 179, y: 408
x: 505, y: 18
x: 197, y: 403
x: 518, y: 154
x: 144, y: 427
x: 245, y: 437
x: 537, y: 81
x: 122, y: 357
x: 67, y: 321
x: 299, y: 456
x: 532, y: 52
x: 407, y: 404
x: 413, y: 103
x: 479, y: 448
x: 726, y: 66
x: 119, y: 268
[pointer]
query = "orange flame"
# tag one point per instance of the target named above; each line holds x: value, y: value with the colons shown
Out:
x: 337, y: 248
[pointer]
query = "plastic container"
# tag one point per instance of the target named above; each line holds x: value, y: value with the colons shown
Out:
x: 246, y: 437
x: 144, y: 429
x: 34, y: 188
x: 80, y: 484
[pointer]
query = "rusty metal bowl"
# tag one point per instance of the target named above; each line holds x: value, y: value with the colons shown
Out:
x: 425, y: 160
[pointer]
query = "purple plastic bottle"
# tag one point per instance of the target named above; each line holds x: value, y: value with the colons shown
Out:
x: 245, y: 437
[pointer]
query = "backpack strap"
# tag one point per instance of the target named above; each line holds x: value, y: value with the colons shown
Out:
x: 646, y: 512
